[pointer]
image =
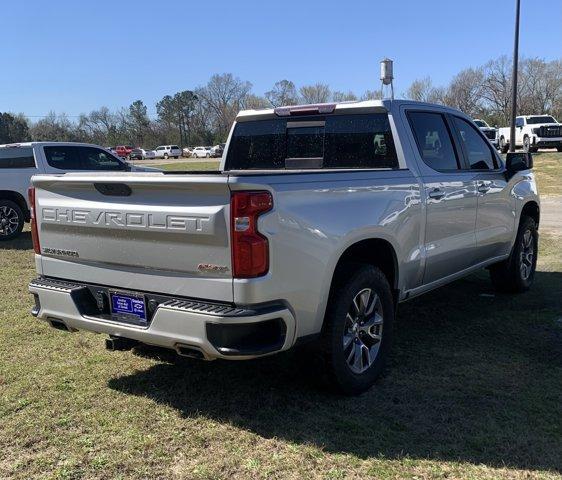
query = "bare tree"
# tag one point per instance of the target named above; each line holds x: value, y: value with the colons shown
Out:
x: 223, y: 97
x: 317, y: 93
x: 371, y: 95
x: 496, y: 89
x: 283, y: 93
x: 465, y: 91
x: 348, y: 96
x: 54, y: 128
x: 423, y: 90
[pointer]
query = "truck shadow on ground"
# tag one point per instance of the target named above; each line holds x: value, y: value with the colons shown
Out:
x: 22, y: 242
x: 474, y: 377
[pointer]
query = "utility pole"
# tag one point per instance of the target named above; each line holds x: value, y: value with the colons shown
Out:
x: 514, y: 78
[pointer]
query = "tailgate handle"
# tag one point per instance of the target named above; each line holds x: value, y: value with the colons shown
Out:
x: 114, y: 189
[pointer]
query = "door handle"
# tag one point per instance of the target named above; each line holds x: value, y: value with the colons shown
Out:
x: 436, y: 193
x: 483, y: 188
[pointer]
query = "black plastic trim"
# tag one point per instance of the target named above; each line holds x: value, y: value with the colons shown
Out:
x: 256, y: 338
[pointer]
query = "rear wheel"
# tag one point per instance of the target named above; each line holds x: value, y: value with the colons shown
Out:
x: 516, y: 274
x: 503, y: 145
x: 358, y: 329
x: 165, y: 156
x: 11, y: 220
x: 208, y: 155
x: 559, y: 148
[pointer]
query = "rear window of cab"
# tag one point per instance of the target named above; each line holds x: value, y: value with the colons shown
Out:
x: 17, y: 157
x: 329, y: 142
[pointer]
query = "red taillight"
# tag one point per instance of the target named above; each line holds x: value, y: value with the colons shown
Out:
x: 34, y: 233
x: 250, y: 249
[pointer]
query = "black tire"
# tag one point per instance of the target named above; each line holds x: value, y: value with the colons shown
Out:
x: 503, y: 145
x: 559, y: 148
x: 176, y: 157
x: 208, y: 155
x: 526, y: 143
x: 12, y: 220
x: 510, y: 276
x: 339, y: 328
x: 165, y: 156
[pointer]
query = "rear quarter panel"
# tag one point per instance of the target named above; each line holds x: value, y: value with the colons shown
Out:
x: 316, y: 217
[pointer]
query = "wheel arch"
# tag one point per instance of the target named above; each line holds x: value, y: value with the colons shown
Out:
x: 371, y: 251
x: 531, y: 209
x: 17, y: 198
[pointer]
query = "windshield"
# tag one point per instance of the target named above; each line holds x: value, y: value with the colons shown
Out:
x: 480, y: 123
x: 541, y: 119
x: 338, y: 141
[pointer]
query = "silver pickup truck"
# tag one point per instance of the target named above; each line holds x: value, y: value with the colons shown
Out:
x: 320, y: 221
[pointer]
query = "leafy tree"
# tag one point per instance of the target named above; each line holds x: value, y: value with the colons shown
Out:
x: 13, y: 128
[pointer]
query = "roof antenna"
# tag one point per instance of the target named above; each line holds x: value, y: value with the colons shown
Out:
x: 387, y: 76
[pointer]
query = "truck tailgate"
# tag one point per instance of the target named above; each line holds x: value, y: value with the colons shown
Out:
x: 143, y: 231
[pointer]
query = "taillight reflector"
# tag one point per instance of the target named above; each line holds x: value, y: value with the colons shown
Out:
x: 250, y: 249
x: 34, y: 232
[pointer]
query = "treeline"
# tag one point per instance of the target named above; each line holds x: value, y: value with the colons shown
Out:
x: 485, y: 92
x: 203, y: 116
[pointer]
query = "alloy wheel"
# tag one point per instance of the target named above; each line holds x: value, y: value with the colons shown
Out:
x: 363, y: 330
x: 9, y: 221
x: 527, y: 255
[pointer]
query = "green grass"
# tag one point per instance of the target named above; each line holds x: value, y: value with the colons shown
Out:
x: 183, y: 166
x: 474, y: 390
x: 548, y: 168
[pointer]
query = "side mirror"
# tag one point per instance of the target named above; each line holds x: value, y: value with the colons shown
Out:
x: 517, y: 161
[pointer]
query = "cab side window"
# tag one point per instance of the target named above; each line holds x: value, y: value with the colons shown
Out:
x: 478, y: 151
x: 434, y: 140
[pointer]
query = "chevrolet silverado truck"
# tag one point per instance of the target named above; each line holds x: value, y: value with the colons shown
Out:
x: 533, y: 132
x: 320, y: 220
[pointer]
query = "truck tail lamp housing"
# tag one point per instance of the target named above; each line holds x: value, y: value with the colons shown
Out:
x: 250, y: 249
x: 34, y: 232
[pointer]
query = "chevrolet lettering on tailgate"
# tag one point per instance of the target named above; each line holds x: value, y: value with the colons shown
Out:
x: 116, y: 219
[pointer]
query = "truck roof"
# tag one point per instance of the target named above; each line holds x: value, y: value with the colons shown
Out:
x: 359, y: 106
x: 42, y: 144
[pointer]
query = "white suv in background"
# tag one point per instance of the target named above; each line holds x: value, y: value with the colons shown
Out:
x: 20, y: 161
x: 166, y: 151
x: 201, y: 152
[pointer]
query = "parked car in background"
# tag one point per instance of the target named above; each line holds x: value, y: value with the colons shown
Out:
x: 187, y: 151
x: 217, y: 150
x: 490, y: 133
x: 167, y: 151
x: 136, y: 154
x: 148, y: 154
x: 533, y: 132
x: 123, y: 151
x: 309, y: 233
x: 201, y: 152
x: 19, y: 162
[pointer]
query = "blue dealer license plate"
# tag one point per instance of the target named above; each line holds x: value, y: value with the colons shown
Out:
x: 129, y: 308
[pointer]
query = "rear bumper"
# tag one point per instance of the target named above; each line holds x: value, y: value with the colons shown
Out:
x: 215, y: 330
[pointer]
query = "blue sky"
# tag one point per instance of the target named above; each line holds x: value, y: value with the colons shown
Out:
x: 75, y: 56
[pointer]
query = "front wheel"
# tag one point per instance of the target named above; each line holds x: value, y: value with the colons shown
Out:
x: 526, y: 143
x: 357, y: 329
x: 208, y: 155
x: 516, y: 274
x: 165, y: 156
x: 11, y: 220
x: 559, y: 148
